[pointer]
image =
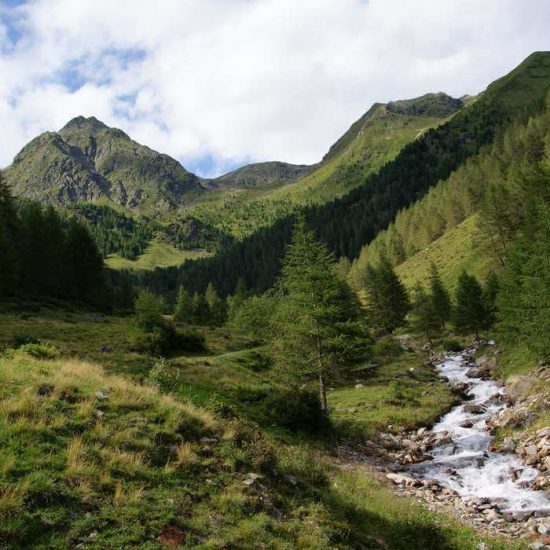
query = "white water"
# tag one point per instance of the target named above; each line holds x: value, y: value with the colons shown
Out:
x: 465, y: 464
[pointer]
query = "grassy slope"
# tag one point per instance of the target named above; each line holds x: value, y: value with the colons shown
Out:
x: 155, y: 255
x: 462, y: 247
x: 141, y: 475
x: 382, y: 136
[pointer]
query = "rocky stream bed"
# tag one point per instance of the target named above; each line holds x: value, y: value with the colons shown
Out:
x: 455, y: 466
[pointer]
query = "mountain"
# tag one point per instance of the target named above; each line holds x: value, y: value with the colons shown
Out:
x: 88, y: 161
x: 262, y: 174
x: 352, y: 221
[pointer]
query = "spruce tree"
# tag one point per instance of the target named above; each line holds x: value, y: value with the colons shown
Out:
x: 490, y: 293
x: 441, y: 301
x: 201, y: 310
x: 9, y: 233
x: 469, y: 314
x: 218, y: 307
x: 425, y: 316
x: 388, y: 301
x: 318, y: 325
x: 183, y: 312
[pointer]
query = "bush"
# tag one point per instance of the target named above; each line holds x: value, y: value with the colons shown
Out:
x: 165, y: 338
x: 387, y: 348
x: 259, y: 452
x: 40, y: 351
x: 452, y: 345
x: 294, y: 410
x: 163, y: 375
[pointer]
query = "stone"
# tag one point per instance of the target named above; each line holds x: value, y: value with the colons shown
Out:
x: 291, y: 479
x: 508, y: 445
x: 357, y: 386
x: 101, y: 395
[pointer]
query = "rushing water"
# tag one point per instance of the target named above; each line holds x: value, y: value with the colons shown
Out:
x: 464, y: 462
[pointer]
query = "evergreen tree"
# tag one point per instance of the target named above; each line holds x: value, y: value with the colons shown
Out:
x: 183, y: 312
x: 469, y: 313
x: 490, y: 293
x: 236, y: 301
x: 441, y: 301
x: 425, y: 316
x: 218, y: 307
x: 318, y: 325
x: 148, y: 311
x: 201, y: 310
x: 85, y: 264
x: 9, y: 232
x: 388, y: 301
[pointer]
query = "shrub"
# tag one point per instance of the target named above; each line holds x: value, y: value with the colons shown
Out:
x: 40, y: 351
x: 188, y: 340
x: 452, y: 345
x: 163, y: 375
x: 387, y: 348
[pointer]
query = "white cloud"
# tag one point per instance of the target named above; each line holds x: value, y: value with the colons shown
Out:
x: 235, y: 80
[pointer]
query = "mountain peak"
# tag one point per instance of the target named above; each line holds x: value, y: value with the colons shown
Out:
x: 82, y: 122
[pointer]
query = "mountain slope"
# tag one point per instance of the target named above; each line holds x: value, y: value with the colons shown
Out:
x: 348, y: 223
x: 262, y: 174
x: 88, y: 161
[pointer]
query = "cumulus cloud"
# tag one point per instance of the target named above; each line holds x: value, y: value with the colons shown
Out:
x: 217, y: 83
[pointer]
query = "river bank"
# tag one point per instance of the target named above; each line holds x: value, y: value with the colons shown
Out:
x: 456, y: 466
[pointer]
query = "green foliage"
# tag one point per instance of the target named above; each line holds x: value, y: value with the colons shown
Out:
x: 425, y: 316
x: 524, y: 299
x: 183, y: 311
x: 470, y: 315
x: 440, y: 298
x: 163, y: 375
x: 319, y: 328
x: 39, y: 351
x: 216, y: 306
x: 490, y: 292
x: 201, y: 310
x: 387, y: 348
x: 254, y: 316
x: 388, y: 301
x: 148, y: 309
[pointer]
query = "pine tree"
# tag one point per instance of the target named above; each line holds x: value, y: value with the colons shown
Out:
x: 236, y: 301
x: 490, y: 293
x: 441, y: 301
x: 201, y: 310
x: 183, y: 312
x: 318, y: 326
x: 469, y: 314
x: 388, y: 301
x: 425, y: 316
x: 9, y: 233
x: 85, y: 264
x: 218, y: 307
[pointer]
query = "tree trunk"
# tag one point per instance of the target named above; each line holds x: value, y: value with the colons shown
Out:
x: 322, y: 387
x: 322, y: 392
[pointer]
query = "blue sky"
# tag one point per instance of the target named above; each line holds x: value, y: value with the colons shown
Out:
x: 218, y: 84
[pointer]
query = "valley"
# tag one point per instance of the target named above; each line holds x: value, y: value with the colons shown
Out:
x: 350, y: 354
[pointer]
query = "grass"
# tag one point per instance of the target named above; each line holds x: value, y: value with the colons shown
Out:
x: 155, y: 255
x: 92, y: 456
x: 462, y: 247
x: 392, y: 396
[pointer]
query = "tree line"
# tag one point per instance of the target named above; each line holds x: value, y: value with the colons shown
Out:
x: 44, y: 254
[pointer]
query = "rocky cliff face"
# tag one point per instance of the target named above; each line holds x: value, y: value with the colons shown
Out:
x: 88, y: 161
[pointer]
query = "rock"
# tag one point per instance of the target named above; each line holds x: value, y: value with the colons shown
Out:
x: 251, y: 479
x: 101, y: 395
x: 530, y: 451
x: 466, y: 424
x: 98, y: 413
x: 508, y: 445
x: 401, y: 479
x: 472, y: 408
x: 491, y: 515
x: 357, y: 386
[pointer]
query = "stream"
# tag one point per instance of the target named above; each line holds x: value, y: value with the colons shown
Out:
x: 463, y: 462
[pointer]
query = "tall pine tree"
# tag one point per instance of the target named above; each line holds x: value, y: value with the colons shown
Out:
x: 469, y: 314
x: 388, y: 301
x: 319, y: 328
x: 183, y: 312
x: 441, y: 301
